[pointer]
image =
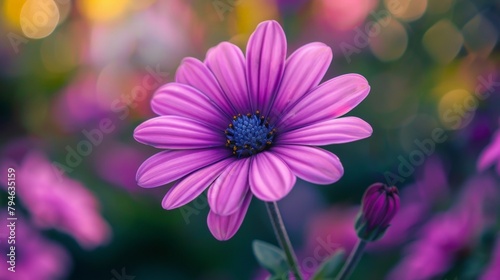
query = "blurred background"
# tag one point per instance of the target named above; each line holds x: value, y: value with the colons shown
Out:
x: 76, y: 79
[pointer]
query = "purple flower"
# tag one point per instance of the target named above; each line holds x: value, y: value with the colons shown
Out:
x: 247, y: 126
x: 449, y: 234
x: 492, y: 270
x: 490, y: 155
x: 35, y: 256
x: 379, y: 205
x: 55, y: 201
x: 439, y: 241
x: 116, y: 163
x: 79, y: 103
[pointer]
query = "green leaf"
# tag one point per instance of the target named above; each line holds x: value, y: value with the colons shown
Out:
x: 330, y: 267
x: 271, y: 258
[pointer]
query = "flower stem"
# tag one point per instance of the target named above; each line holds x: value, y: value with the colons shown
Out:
x: 352, y: 261
x: 282, y: 236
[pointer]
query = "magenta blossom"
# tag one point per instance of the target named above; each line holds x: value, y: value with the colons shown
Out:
x: 55, y: 201
x: 35, y: 257
x: 247, y: 126
x: 491, y: 154
x: 439, y: 241
x: 492, y: 270
x: 449, y: 234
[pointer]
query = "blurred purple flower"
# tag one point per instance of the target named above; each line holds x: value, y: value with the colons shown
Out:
x: 379, y: 205
x: 58, y: 202
x: 492, y: 270
x: 450, y: 233
x: 440, y: 239
x: 331, y: 230
x: 117, y: 163
x: 491, y: 154
x: 343, y: 15
x: 158, y: 34
x: 276, y: 111
x: 79, y: 103
x: 35, y: 256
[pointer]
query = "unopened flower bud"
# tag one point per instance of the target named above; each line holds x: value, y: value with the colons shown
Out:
x: 379, y: 205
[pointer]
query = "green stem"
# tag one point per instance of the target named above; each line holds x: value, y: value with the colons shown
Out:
x: 352, y: 261
x: 282, y: 236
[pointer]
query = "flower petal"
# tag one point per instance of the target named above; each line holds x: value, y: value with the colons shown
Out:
x: 167, y: 166
x: 186, y: 101
x: 173, y: 132
x: 194, y: 184
x: 228, y: 191
x: 490, y: 154
x: 270, y: 178
x: 266, y: 53
x: 328, y: 132
x: 227, y: 63
x: 196, y: 74
x: 311, y: 164
x: 224, y: 227
x: 304, y: 70
x: 331, y: 99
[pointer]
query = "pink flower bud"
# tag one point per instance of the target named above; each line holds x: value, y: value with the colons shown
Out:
x: 379, y: 205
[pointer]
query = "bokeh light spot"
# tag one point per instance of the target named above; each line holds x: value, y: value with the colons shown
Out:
x: 11, y: 11
x: 103, y: 10
x: 457, y: 108
x: 443, y: 41
x: 391, y: 41
x: 480, y: 35
x: 39, y: 18
x: 406, y: 10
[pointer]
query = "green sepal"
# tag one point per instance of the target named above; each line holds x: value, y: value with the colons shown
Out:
x: 271, y: 258
x: 330, y: 267
x: 364, y: 233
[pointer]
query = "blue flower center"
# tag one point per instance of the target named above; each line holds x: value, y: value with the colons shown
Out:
x: 249, y: 134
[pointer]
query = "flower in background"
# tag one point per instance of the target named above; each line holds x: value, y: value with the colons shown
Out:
x: 117, y: 163
x: 35, y: 256
x: 331, y: 230
x: 346, y: 14
x: 248, y: 126
x: 158, y: 34
x: 379, y: 205
x: 449, y: 234
x: 79, y: 104
x: 439, y: 240
x: 491, y: 154
x: 55, y: 201
x: 492, y: 270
